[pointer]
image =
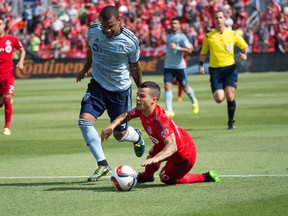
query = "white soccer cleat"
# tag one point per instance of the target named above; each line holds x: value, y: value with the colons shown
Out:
x: 7, y: 131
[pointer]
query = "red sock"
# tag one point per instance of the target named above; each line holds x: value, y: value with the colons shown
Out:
x: 150, y: 170
x: 191, y: 178
x: 8, y: 111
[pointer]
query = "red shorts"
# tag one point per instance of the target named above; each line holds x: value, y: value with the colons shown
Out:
x: 174, y: 170
x: 7, y: 84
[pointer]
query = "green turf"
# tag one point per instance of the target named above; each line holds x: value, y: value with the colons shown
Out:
x: 45, y: 162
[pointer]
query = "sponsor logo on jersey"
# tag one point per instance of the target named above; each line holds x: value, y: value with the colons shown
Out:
x: 154, y: 140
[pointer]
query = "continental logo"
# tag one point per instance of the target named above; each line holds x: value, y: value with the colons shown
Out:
x: 70, y: 67
x: 46, y: 68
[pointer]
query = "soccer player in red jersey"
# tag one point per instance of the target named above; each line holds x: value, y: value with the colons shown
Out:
x: 7, y: 46
x: 171, y: 143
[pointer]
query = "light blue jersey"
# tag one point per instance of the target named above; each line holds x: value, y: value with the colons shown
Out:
x: 174, y: 58
x: 111, y: 57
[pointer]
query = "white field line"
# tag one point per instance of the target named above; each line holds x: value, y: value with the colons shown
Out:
x: 75, y: 177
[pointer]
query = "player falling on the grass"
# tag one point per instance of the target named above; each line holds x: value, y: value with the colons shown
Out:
x: 177, y: 45
x: 171, y: 143
x: 112, y: 49
x: 222, y: 69
x: 8, y: 44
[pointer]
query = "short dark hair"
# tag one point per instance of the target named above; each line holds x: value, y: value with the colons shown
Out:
x: 154, y: 87
x: 108, y: 12
x: 221, y: 11
x: 176, y: 18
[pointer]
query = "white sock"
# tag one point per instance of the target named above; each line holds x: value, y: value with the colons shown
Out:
x: 191, y: 94
x: 168, y: 100
x: 92, y: 139
x: 131, y: 135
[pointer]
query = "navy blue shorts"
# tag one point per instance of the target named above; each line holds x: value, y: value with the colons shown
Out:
x: 97, y: 99
x: 178, y: 74
x: 222, y: 77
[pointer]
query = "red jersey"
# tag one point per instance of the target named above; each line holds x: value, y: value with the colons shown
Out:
x: 159, y: 126
x: 7, y: 45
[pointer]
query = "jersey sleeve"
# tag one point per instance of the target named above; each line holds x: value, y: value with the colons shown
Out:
x: 186, y: 42
x: 240, y: 42
x: 134, y: 55
x: 205, y: 46
x: 133, y: 113
x: 17, y: 43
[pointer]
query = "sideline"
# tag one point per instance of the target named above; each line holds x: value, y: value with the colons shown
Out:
x: 75, y: 177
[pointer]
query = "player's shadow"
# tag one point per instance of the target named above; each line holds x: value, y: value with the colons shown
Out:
x: 105, y: 188
x: 81, y: 186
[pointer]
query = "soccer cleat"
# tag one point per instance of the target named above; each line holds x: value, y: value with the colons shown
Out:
x: 7, y: 131
x: 99, y: 172
x: 195, y: 107
x: 170, y: 114
x: 139, y: 147
x: 140, y: 178
x: 231, y: 125
x: 211, y: 176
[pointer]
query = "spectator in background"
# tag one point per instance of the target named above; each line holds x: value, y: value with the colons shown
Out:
x: 83, y: 14
x: 28, y: 18
x: 263, y: 35
x: 57, y: 26
x: 249, y: 38
x: 34, y: 45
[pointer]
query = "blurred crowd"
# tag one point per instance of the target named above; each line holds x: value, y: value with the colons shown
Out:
x: 57, y: 29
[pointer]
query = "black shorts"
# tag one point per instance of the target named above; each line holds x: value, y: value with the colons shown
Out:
x: 222, y: 77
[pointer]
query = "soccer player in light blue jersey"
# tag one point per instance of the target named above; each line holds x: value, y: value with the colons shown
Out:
x: 112, y: 50
x: 175, y: 66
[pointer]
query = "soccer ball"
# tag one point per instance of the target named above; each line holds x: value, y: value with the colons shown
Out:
x: 124, y: 178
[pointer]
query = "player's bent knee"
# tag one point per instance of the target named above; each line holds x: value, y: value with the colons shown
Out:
x: 164, y: 178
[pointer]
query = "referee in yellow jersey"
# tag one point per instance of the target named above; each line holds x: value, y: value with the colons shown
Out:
x: 222, y: 68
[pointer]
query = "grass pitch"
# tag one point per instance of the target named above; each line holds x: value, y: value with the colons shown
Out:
x: 44, y: 164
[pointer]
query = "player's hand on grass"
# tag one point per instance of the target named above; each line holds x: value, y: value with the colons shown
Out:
x: 150, y: 161
x: 106, y: 132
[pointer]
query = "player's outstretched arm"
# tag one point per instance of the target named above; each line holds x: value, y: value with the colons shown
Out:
x: 86, y: 67
x: 136, y: 73
x: 169, y: 149
x: 107, y: 131
x: 20, y: 63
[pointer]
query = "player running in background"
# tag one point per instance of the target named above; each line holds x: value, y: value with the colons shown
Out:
x: 8, y: 44
x: 112, y: 49
x: 175, y: 66
x: 171, y: 143
x: 222, y: 69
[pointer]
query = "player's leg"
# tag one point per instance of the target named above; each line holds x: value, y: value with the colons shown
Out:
x: 168, y: 95
x: 183, y: 80
x: 231, y: 81
x: 124, y: 132
x: 180, y: 90
x: 217, y: 86
x: 8, y: 91
x: 178, y: 173
x: 148, y: 174
x: 91, y: 109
